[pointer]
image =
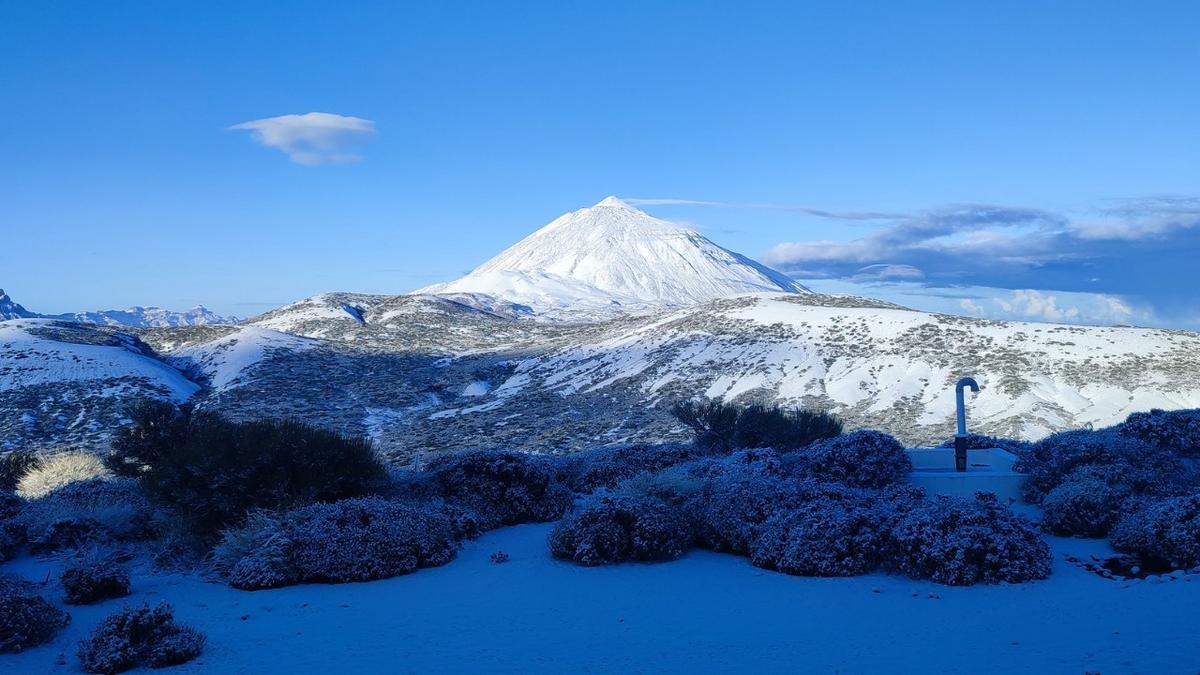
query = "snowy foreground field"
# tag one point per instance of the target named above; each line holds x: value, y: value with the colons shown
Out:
x: 707, y: 612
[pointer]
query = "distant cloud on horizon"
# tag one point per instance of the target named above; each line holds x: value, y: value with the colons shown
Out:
x: 312, y: 138
x: 1128, y: 261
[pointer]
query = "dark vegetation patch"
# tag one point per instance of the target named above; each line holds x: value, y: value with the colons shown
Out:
x: 13, y: 467
x: 211, y: 471
x: 725, y: 427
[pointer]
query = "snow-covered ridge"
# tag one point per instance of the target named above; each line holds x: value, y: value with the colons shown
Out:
x: 133, y: 317
x: 612, y: 258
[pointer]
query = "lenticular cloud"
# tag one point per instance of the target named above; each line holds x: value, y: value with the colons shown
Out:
x: 312, y: 138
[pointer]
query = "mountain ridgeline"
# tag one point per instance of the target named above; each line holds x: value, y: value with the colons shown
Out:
x: 585, y: 333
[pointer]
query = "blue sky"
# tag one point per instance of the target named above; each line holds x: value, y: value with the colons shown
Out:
x: 1034, y: 160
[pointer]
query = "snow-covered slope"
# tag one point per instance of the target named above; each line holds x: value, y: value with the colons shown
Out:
x: 225, y: 362
x: 611, y: 258
x: 66, y: 382
x: 134, y: 317
x: 422, y: 374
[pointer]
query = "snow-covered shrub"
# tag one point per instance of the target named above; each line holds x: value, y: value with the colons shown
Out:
x: 983, y: 442
x: 143, y: 636
x: 94, y: 511
x: 1087, y: 503
x: 1175, y: 430
x: 731, y: 511
x: 13, y: 467
x: 621, y: 528
x: 724, y: 498
x: 1145, y: 468
x: 677, y: 485
x: 26, y: 618
x: 866, y: 459
x: 826, y: 536
x: 1164, y: 531
x: 724, y: 426
x: 350, y: 540
x: 95, y: 574
x: 961, y: 542
x: 58, y: 471
x: 216, y: 471
x: 606, y: 467
x: 502, y: 487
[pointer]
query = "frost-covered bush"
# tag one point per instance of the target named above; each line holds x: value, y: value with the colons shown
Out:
x: 1144, y: 468
x: 606, y: 467
x: 731, y: 512
x: 26, y: 618
x: 13, y: 467
x: 502, y: 487
x: 621, y: 528
x: 983, y: 442
x: 1175, y: 430
x: 961, y: 542
x: 1164, y: 531
x: 215, y: 471
x: 724, y: 498
x: 139, y: 637
x: 724, y: 426
x: 93, y: 575
x: 865, y: 459
x: 1087, y: 503
x: 58, y: 471
x: 827, y: 536
x: 677, y: 485
x: 350, y: 540
x: 93, y: 511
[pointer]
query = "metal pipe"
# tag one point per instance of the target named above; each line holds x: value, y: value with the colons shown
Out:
x: 962, y: 406
x: 960, y: 439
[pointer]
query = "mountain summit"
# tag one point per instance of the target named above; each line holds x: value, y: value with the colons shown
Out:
x: 9, y: 309
x: 136, y: 317
x: 613, y: 257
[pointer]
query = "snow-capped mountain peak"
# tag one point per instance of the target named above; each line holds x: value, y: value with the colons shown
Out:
x: 613, y: 257
x: 134, y: 317
x: 9, y: 309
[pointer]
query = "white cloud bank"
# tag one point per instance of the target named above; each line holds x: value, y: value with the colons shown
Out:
x: 312, y: 138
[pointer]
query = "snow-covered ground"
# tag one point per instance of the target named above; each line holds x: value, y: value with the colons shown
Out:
x: 28, y: 359
x: 705, y: 613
